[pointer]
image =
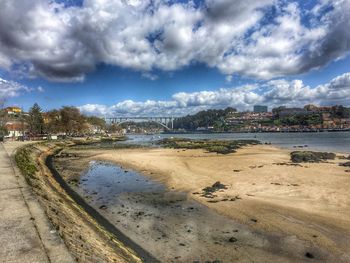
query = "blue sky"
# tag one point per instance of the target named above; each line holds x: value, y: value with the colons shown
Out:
x: 156, y: 57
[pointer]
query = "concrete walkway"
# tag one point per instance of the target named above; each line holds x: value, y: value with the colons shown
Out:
x: 26, y: 235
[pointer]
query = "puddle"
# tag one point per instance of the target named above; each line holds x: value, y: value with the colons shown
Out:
x: 107, y: 180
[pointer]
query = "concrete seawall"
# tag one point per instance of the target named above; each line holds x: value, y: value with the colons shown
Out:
x: 82, y: 232
x: 26, y: 234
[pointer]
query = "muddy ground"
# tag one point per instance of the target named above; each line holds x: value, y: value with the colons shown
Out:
x: 173, y: 227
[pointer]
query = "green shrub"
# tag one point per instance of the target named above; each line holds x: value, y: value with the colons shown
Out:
x: 25, y: 163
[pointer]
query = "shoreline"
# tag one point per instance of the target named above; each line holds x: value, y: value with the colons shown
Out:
x: 100, y: 220
x: 266, y: 202
x: 85, y: 238
x: 293, y: 141
x: 292, y: 131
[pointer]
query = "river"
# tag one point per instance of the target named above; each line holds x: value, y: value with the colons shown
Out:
x: 318, y: 141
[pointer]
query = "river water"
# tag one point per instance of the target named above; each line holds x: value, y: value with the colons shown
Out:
x: 318, y: 141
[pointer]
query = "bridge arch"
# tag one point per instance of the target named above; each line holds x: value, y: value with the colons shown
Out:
x: 163, y: 121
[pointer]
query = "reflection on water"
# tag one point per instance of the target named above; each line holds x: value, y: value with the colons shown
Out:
x: 319, y: 141
x: 106, y: 180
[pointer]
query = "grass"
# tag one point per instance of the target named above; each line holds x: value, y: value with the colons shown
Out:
x: 218, y: 146
x: 25, y: 163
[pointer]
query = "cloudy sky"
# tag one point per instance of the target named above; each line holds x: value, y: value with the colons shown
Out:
x: 153, y: 57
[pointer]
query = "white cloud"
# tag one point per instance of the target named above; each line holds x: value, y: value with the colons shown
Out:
x: 64, y: 43
x: 228, y: 78
x: 40, y: 89
x: 150, y: 76
x: 9, y: 89
x: 272, y: 93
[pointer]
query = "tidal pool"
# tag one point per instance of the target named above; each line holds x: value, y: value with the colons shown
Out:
x: 107, y: 181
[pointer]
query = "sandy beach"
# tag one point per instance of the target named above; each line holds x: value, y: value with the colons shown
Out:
x: 307, y: 202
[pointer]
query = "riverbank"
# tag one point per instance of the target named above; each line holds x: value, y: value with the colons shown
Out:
x: 86, y: 239
x: 306, y: 203
x: 26, y: 235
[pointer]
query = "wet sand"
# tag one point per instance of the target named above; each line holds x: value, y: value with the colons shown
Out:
x: 282, y: 211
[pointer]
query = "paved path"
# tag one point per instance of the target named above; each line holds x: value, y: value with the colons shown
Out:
x: 26, y: 235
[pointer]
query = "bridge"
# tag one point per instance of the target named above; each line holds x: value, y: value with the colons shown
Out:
x: 166, y: 122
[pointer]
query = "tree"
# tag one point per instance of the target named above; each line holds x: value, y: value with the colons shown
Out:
x: 52, y: 123
x: 71, y: 120
x: 205, y: 118
x: 3, y: 119
x: 35, y: 120
x: 96, y: 121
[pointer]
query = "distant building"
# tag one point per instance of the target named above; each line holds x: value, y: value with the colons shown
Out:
x: 16, y: 129
x: 260, y: 108
x: 286, y: 112
x: 242, y: 117
x: 13, y: 110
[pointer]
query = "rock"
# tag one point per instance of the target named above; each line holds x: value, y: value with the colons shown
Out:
x: 141, y: 213
x: 254, y: 220
x: 346, y: 164
x: 309, y: 255
x: 209, y: 190
x: 311, y: 157
x: 103, y: 207
x: 232, y: 239
x: 276, y: 183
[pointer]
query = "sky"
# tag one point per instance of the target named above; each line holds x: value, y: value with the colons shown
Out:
x: 172, y: 58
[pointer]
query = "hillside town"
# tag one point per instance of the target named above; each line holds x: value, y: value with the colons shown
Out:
x: 280, y: 119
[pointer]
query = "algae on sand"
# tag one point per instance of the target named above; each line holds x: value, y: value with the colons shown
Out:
x: 218, y: 146
x: 311, y: 157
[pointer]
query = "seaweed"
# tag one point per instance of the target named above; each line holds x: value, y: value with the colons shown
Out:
x: 346, y: 164
x: 217, y: 146
x: 311, y: 157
